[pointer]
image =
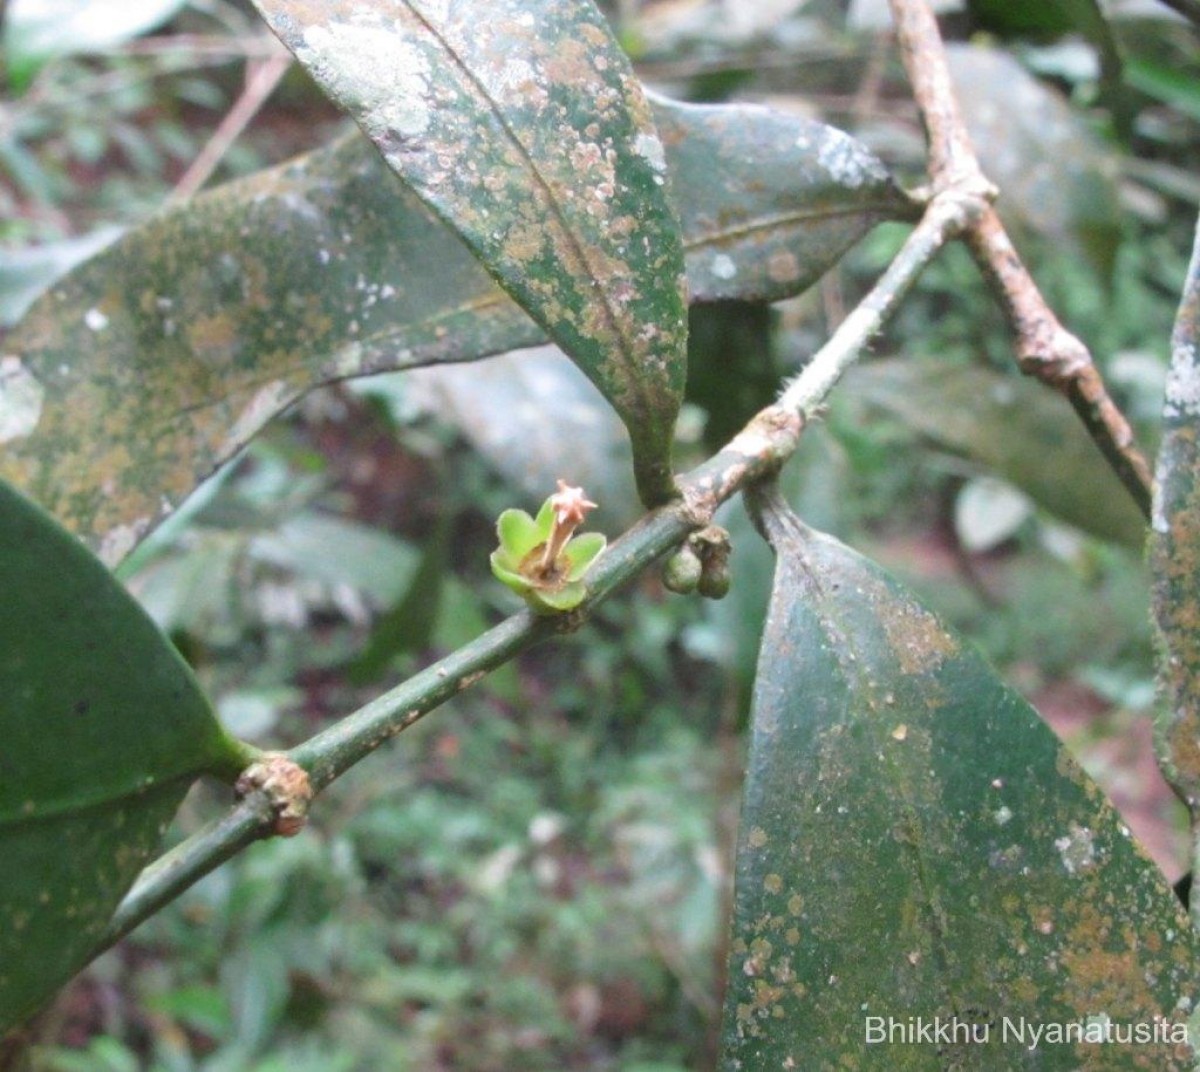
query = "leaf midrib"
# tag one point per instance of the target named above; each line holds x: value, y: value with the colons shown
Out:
x: 624, y: 350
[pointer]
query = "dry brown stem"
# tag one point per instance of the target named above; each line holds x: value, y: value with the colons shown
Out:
x: 1044, y: 347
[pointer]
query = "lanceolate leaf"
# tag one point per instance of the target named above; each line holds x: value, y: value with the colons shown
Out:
x: 102, y: 730
x: 1175, y: 551
x: 1015, y: 428
x: 801, y: 192
x: 916, y: 847
x: 521, y: 124
x: 144, y: 370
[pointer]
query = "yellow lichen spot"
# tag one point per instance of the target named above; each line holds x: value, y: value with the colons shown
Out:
x: 916, y: 637
x: 766, y: 995
x: 757, y: 837
x: 795, y: 904
x: 783, y: 267
x: 524, y: 244
x: 213, y: 338
x: 792, y: 936
x: 761, y: 949
x: 784, y: 973
x: 900, y: 732
x: 773, y: 884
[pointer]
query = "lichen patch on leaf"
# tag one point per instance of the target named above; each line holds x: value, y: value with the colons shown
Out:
x: 919, y: 641
x: 1183, y: 383
x: 976, y: 866
x: 375, y: 70
x: 847, y: 161
x: 326, y: 267
x: 533, y: 140
x: 21, y: 398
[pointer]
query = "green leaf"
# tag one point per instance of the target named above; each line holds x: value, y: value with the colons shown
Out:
x: 1174, y: 550
x: 1165, y: 84
x: 1016, y: 428
x: 519, y: 533
x: 25, y: 273
x: 103, y: 730
x: 336, y: 550
x: 146, y: 368
x: 518, y: 409
x: 582, y: 551
x: 411, y: 622
x: 915, y: 843
x: 1047, y: 20
x: 801, y: 193
x: 524, y: 128
x: 1041, y: 18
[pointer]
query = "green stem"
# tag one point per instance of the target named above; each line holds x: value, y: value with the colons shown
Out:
x: 334, y: 750
x: 758, y: 450
x: 189, y: 861
x: 948, y: 214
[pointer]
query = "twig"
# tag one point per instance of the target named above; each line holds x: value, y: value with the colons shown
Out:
x: 1058, y: 358
x: 1045, y: 348
x: 952, y: 159
x: 260, y: 84
x: 948, y: 214
x: 175, y: 871
x: 760, y: 448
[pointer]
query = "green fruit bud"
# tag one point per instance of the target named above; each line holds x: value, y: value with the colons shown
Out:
x: 714, y: 580
x: 683, y: 571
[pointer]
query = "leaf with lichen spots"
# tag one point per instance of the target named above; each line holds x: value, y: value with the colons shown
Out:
x: 915, y: 842
x: 149, y: 366
x: 103, y: 728
x: 1175, y: 552
x: 769, y: 200
x: 523, y: 127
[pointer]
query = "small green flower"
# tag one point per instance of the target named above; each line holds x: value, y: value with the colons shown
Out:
x: 538, y: 558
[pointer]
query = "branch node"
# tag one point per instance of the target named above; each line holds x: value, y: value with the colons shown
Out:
x: 286, y: 786
x: 771, y: 434
x: 1053, y: 355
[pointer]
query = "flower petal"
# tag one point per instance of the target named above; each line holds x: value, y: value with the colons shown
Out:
x: 581, y: 552
x: 567, y: 597
x: 504, y: 571
x: 518, y: 533
x: 545, y: 520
